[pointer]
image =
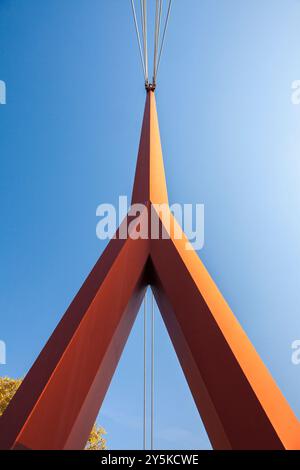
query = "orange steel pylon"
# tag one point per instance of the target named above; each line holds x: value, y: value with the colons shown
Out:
x: 238, y: 400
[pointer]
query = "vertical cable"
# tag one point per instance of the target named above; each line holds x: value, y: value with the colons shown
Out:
x: 145, y: 37
x: 158, y: 47
x: 156, y: 36
x: 143, y: 23
x: 152, y: 373
x: 164, y: 34
x: 158, y: 33
x: 145, y: 373
x: 143, y: 8
x: 138, y: 36
x: 159, y: 20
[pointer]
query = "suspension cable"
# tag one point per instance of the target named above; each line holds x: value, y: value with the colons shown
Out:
x: 145, y: 375
x: 144, y: 31
x: 143, y: 38
x: 158, y: 12
x: 138, y: 37
x: 164, y: 35
x: 158, y: 33
x: 146, y: 39
x: 152, y: 373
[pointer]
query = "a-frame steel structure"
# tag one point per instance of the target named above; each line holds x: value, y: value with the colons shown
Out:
x: 238, y: 400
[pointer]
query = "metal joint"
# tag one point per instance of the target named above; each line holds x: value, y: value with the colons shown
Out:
x: 150, y: 86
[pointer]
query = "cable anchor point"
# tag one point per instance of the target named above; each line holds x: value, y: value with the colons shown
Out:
x: 150, y: 86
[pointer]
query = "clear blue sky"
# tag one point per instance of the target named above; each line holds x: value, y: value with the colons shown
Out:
x: 231, y: 140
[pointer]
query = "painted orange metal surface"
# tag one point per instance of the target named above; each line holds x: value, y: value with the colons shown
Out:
x: 239, y: 402
x: 60, y: 397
